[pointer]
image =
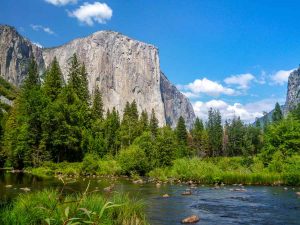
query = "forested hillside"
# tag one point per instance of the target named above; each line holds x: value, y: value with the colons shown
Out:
x: 54, y: 122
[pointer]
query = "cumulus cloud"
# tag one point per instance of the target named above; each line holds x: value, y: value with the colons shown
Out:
x: 61, y: 2
x: 90, y: 13
x: 242, y: 80
x: 42, y: 28
x: 247, y: 112
x: 281, y: 76
x: 205, y: 86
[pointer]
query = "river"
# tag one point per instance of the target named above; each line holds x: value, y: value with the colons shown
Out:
x: 257, y: 205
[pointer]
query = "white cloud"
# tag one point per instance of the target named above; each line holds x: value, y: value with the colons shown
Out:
x: 37, y: 44
x: 247, y: 112
x: 281, y: 76
x: 61, y: 2
x: 40, y: 27
x: 205, y: 86
x: 242, y: 80
x: 91, y: 13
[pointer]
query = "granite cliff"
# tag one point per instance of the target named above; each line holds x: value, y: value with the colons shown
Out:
x: 124, y: 69
x: 293, y: 93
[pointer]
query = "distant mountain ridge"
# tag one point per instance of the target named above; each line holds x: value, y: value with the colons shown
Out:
x: 124, y: 69
x: 292, y: 97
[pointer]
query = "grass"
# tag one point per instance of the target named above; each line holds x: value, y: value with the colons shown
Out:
x: 224, y: 170
x: 228, y: 170
x: 50, y: 207
x: 101, y: 167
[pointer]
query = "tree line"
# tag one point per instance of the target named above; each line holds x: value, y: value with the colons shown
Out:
x: 51, y: 120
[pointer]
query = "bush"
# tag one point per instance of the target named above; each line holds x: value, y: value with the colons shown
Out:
x: 90, y: 164
x: 109, y: 167
x: 133, y: 159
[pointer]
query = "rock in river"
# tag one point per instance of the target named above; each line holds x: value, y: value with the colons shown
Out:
x: 191, y: 219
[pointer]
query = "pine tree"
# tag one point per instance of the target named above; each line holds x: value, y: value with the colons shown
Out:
x: 84, y: 93
x: 198, y: 126
x: 199, y: 142
x: 53, y: 81
x: 32, y: 80
x: 181, y: 134
x: 153, y: 125
x: 97, y: 106
x: 143, y: 122
x: 165, y: 147
x: 215, y: 132
x: 277, y: 114
x: 129, y: 127
x: 112, y: 136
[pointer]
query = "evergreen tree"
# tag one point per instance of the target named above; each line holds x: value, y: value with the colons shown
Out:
x: 143, y: 122
x: 53, y: 81
x: 32, y: 80
x: 181, y: 134
x: 277, y: 114
x: 215, y: 132
x: 84, y: 93
x: 112, y: 133
x: 129, y: 127
x: 153, y: 125
x: 236, y: 136
x: 165, y: 147
x: 97, y: 106
x: 198, y: 125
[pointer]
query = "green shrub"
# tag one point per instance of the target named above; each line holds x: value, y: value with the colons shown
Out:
x: 133, y: 159
x: 90, y: 164
x: 109, y: 167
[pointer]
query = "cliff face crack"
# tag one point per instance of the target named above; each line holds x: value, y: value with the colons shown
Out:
x: 124, y: 69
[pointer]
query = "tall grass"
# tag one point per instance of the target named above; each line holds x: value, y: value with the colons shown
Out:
x: 224, y: 170
x: 49, y: 207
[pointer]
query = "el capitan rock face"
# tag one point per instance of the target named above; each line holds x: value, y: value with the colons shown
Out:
x: 123, y: 68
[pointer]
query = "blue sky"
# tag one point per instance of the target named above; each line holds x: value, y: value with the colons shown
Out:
x: 233, y: 55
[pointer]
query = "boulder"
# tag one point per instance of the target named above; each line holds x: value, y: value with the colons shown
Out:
x: 191, y: 219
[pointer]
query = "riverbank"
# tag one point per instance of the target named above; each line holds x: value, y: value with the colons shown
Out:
x: 226, y: 170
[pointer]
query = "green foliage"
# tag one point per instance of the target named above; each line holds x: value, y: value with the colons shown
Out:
x: 215, y: 132
x: 97, y: 107
x: 277, y: 114
x: 153, y: 125
x: 50, y: 207
x: 90, y: 164
x: 129, y: 129
x: 133, y: 159
x: 53, y: 80
x: 283, y: 136
x: 165, y: 149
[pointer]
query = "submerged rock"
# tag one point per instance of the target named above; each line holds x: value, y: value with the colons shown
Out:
x: 166, y: 196
x: 140, y: 181
x: 26, y: 189
x: 191, y: 219
x: 187, y: 192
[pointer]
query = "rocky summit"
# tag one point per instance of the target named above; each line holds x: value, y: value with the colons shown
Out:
x: 124, y: 69
x: 293, y: 93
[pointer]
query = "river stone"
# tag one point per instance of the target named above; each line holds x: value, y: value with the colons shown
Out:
x: 191, y: 219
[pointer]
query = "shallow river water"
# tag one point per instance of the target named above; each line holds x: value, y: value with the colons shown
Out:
x: 257, y: 205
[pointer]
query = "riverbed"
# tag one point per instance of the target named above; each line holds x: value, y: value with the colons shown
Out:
x: 222, y: 205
